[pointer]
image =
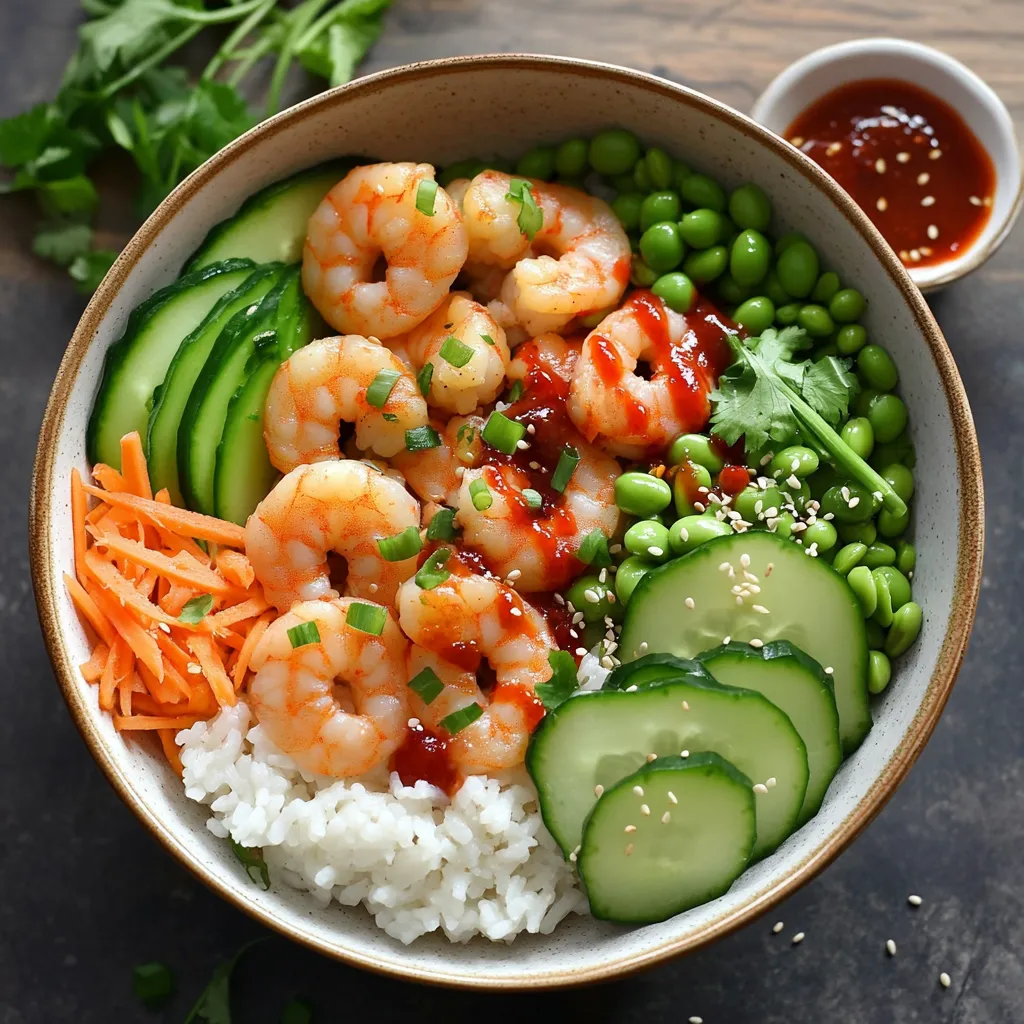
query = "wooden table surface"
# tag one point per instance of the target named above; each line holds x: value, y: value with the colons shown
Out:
x: 86, y: 894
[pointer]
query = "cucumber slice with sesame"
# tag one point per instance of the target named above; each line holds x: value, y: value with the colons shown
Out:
x: 596, y: 739
x: 799, y: 686
x: 800, y: 599
x: 673, y: 835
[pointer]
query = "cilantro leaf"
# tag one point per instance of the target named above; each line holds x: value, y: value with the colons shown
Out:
x: 23, y: 136
x: 89, y: 269
x: 563, y: 682
x: 352, y: 27
x: 251, y: 858
x: 531, y: 217
x: 827, y: 387
x: 62, y: 242
x: 214, y: 1003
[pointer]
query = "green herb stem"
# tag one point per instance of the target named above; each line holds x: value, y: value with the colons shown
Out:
x: 300, y: 18
x: 240, y: 32
x: 155, y: 58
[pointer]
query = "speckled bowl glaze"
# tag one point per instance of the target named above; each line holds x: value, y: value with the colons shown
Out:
x: 438, y: 112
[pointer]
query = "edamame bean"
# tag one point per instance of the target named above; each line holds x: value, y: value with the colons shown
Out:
x: 821, y: 481
x: 857, y: 433
x: 571, y: 158
x: 702, y: 192
x: 786, y: 240
x: 468, y: 168
x: 796, y: 460
x: 690, y: 532
x: 879, y: 672
x: 784, y: 524
x: 641, y: 176
x: 859, y: 533
x: 878, y: 554
x: 628, y: 575
x: 891, y: 525
x: 593, y: 611
x: 847, y: 556
x: 730, y: 291
x: 827, y: 286
x: 774, y: 290
x: 877, y: 368
x: 901, y: 450
x: 615, y: 151
x: 640, y: 494
x: 821, y: 533
x: 753, y: 503
x: 888, y: 416
x: 883, y: 606
x: 750, y: 258
x: 686, y: 489
x: 815, y: 321
x: 676, y: 290
x: 900, y: 479
x: 662, y: 247
x: 627, y: 208
x: 649, y: 539
x: 537, y: 163
x: 680, y: 172
x: 862, y: 583
x: 659, y: 206
x: 906, y: 557
x: 749, y: 207
x: 850, y: 339
x: 875, y: 635
x: 702, y: 229
x: 798, y: 269
x: 786, y: 315
x: 756, y: 314
x: 906, y: 625
x: 642, y: 275
x: 624, y: 183
x: 659, y: 167
x: 824, y: 351
x: 899, y: 585
x: 853, y: 509
x: 846, y: 306
x: 696, y: 448
x: 863, y: 399
x: 707, y: 264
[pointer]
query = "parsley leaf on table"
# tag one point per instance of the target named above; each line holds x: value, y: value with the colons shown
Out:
x: 214, y: 1003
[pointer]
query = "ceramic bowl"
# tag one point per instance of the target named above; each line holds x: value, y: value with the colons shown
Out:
x: 448, y: 109
x: 809, y: 78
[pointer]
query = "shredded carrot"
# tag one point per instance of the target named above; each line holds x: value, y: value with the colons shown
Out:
x: 105, y: 573
x: 219, y: 622
x: 213, y: 668
x: 176, y: 598
x: 133, y: 466
x: 124, y: 722
x: 112, y: 673
x: 171, y: 749
x: 245, y: 654
x: 108, y: 477
x: 92, y: 614
x: 78, y: 511
x: 179, y: 568
x: 140, y: 641
x: 233, y: 566
x: 124, y: 693
x: 93, y: 668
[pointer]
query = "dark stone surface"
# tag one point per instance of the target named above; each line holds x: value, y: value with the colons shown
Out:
x: 85, y: 894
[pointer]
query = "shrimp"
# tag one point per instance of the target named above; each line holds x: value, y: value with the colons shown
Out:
x: 468, y: 617
x: 324, y: 385
x: 345, y: 506
x: 296, y: 699
x: 576, y: 263
x: 481, y: 375
x: 549, y: 353
x: 435, y: 474
x: 624, y: 412
x: 372, y: 212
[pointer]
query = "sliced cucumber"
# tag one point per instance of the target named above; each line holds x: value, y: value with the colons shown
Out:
x: 135, y: 365
x: 596, y: 739
x: 244, y: 475
x: 797, y: 684
x: 173, y: 394
x: 697, y: 839
x: 243, y: 343
x: 270, y: 226
x: 807, y: 603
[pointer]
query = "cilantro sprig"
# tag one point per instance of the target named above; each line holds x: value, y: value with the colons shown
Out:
x: 119, y: 92
x: 766, y: 396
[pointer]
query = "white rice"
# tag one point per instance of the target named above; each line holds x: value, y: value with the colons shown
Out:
x: 481, y: 863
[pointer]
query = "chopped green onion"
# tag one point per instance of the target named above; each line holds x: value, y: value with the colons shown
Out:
x: 568, y: 460
x: 480, y: 493
x: 251, y: 858
x: 379, y: 391
x: 433, y: 573
x: 420, y: 438
x: 195, y: 609
x: 152, y: 983
x: 455, y: 352
x: 426, y: 685
x: 515, y: 392
x: 487, y: 338
x: 442, y: 526
x: 531, y: 217
x: 502, y: 433
x: 304, y: 633
x: 425, y: 195
x: 594, y: 550
x: 424, y: 377
x: 458, y: 720
x: 534, y: 499
x: 367, y: 618
x: 401, y: 546
x: 390, y: 417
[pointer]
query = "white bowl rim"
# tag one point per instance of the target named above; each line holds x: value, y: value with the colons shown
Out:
x: 958, y: 626
x: 939, y: 275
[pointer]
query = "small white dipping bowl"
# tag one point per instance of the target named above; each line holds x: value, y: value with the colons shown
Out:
x: 809, y: 78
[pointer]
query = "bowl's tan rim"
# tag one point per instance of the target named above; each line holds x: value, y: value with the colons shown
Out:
x: 968, y: 570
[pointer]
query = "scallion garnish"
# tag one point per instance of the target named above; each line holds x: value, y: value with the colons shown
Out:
x: 304, y: 633
x: 442, y: 526
x: 195, y: 609
x: 455, y: 352
x: 487, y: 338
x: 531, y: 218
x: 534, y: 499
x: 367, y: 618
x: 502, y: 433
x: 420, y: 438
x: 424, y: 377
x: 515, y: 392
x: 426, y: 685
x: 594, y: 550
x: 401, y: 546
x: 458, y: 720
x: 433, y: 573
x: 480, y: 494
x: 390, y: 417
x: 426, y: 193
x: 568, y: 460
x: 379, y: 390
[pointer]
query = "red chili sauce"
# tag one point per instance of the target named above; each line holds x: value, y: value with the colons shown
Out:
x: 909, y: 161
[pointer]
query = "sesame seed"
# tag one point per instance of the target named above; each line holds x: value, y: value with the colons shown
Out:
x: 845, y: 492
x: 928, y: 201
x: 591, y: 595
x: 793, y: 481
x: 686, y: 705
x: 756, y: 643
x: 373, y: 588
x: 516, y: 612
x: 987, y: 201
x: 514, y: 574
x: 629, y: 828
x: 534, y: 465
x: 698, y: 506
x: 760, y: 609
x: 745, y: 560
x: 164, y: 627
x: 656, y: 551
x: 628, y: 850
x: 696, y: 1020
x: 606, y: 662
x: 935, y: 154
x: 760, y: 787
x: 631, y: 689
x: 666, y: 817
x: 834, y: 148
x: 598, y: 790
x: 615, y: 549
x: 904, y: 255
x: 771, y: 783
x: 797, y: 140
x: 572, y: 857
x: 925, y: 250
x: 644, y: 809
x: 739, y: 599
x: 413, y: 723
x: 890, y: 947
x: 602, y: 576
x: 684, y: 753
x: 643, y: 646
x: 944, y: 980
x: 914, y: 901
x: 881, y: 204
x: 915, y: 255
x: 459, y: 471
x: 672, y: 798
x: 880, y: 165
x: 798, y: 938
x: 853, y: 502
x: 923, y: 178
x: 638, y: 790
x: 194, y: 670
x: 769, y: 568
x: 777, y: 927
x: 829, y: 670
x: 652, y: 757
x: 689, y: 602
x: 724, y: 567
x: 726, y: 639
x: 559, y: 599
x: 903, y: 157
x: 581, y: 651
x: 974, y: 201
x: 522, y: 445
x: 531, y: 428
